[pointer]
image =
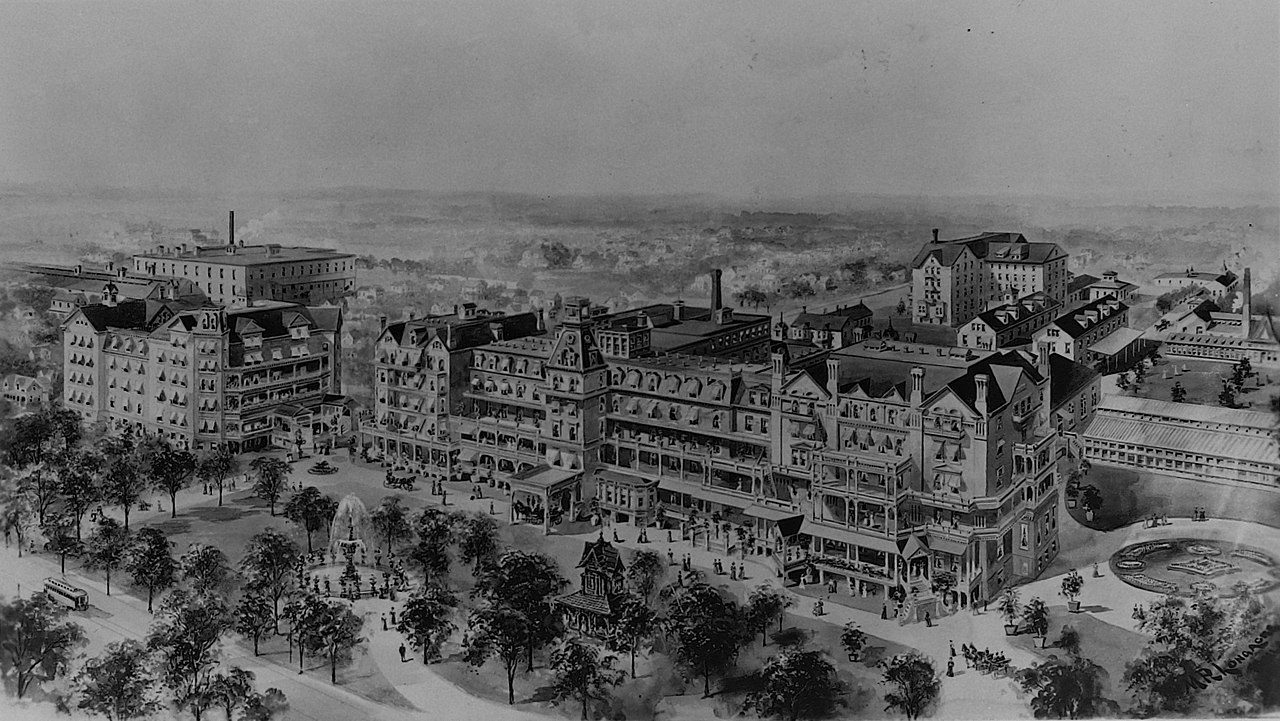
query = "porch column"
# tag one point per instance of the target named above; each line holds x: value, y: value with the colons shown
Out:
x: 546, y: 512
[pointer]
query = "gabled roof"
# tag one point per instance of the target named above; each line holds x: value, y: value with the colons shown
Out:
x: 1067, y: 377
x: 601, y: 555
x: 1076, y: 323
x: 1080, y: 282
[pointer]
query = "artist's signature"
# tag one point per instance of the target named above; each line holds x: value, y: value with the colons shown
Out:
x: 1234, y: 666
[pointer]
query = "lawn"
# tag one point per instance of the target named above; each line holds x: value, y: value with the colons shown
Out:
x: 1106, y: 645
x: 1203, y: 382
x: 1129, y: 496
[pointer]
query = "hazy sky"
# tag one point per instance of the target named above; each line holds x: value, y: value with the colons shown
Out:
x: 1167, y: 101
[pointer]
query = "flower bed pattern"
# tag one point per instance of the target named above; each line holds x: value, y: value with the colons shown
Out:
x: 1204, y: 566
x: 1256, y: 557
x: 1147, y: 583
x: 1201, y: 549
x: 1130, y: 565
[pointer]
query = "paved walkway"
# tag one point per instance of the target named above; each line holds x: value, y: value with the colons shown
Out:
x: 970, y: 695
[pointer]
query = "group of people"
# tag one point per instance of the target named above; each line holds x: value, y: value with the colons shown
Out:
x: 984, y: 660
x: 1199, y: 514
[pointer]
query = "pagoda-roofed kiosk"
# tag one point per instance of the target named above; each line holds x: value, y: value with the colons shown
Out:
x: 590, y: 608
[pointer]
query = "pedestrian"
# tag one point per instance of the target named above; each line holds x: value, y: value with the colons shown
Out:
x: 884, y: 611
x: 384, y: 622
x: 1095, y: 570
x: 953, y: 648
x: 984, y: 605
x: 671, y: 557
x: 402, y: 658
x: 615, y: 536
x: 928, y: 619
x: 951, y: 667
x: 393, y: 616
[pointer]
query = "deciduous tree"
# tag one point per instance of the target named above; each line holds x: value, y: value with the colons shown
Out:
x: 216, y: 467
x: 478, y: 542
x: 501, y: 632
x: 765, y: 605
x: 646, y: 572
x: 205, y: 568
x: 796, y: 684
x: 231, y: 690
x: 123, y: 480
x: 707, y: 630
x: 427, y: 619
x: 633, y: 626
x: 185, y: 640
x: 107, y: 548
x: 170, y: 468
x: 311, y: 510
x: 331, y: 630
x: 270, y: 566
x: 582, y: 673
x: 1072, y: 689
x: 270, y: 475
x: 60, y: 538
x: 79, y: 484
x: 150, y: 562
x: 529, y: 583
x: 119, y: 683
x: 254, y: 616
x: 435, y: 531
x: 36, y: 640
x: 913, y: 683
x: 391, y: 521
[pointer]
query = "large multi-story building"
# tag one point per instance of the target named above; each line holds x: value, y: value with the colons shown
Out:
x: 1077, y: 333
x: 240, y: 274
x: 205, y: 376
x: 954, y: 280
x: 924, y: 459
x: 423, y: 373
x: 941, y: 456
x: 1011, y: 323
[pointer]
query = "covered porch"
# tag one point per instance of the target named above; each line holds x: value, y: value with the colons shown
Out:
x: 543, y: 491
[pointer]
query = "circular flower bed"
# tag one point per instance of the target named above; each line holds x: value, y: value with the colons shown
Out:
x: 1201, y: 549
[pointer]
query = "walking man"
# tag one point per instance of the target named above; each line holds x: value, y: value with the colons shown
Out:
x: 384, y: 622
x: 402, y: 658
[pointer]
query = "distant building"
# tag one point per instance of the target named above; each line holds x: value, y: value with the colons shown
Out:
x: 1216, y: 284
x: 240, y: 274
x: 24, y: 392
x: 370, y: 293
x: 1094, y: 334
x: 1009, y: 324
x: 1083, y: 289
x: 954, y: 280
x: 207, y: 377
x: 837, y: 328
x: 1184, y: 439
x: 1203, y: 332
x: 717, y: 331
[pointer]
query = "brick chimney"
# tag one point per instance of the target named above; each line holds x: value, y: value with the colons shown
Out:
x: 716, y: 301
x: 980, y: 393
x: 935, y: 235
x: 1246, y: 305
x: 917, y: 386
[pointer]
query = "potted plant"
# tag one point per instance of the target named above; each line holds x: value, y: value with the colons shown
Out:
x: 1011, y: 608
x: 1090, y: 501
x: 1072, y: 583
x: 854, y: 640
x: 1036, y: 614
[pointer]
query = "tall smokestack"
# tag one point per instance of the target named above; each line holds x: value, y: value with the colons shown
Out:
x: 716, y: 301
x: 231, y: 227
x: 1246, y: 307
